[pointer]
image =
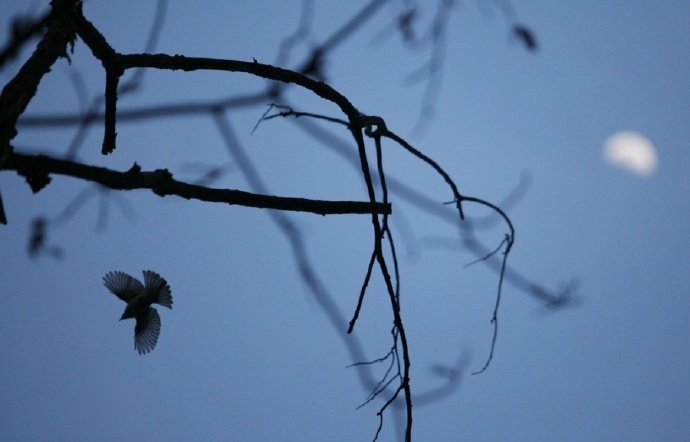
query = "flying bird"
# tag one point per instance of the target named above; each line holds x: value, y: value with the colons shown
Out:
x: 139, y: 298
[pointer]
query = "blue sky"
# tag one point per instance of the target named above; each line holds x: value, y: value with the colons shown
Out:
x: 247, y: 353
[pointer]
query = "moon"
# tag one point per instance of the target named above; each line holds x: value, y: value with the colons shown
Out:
x: 631, y: 151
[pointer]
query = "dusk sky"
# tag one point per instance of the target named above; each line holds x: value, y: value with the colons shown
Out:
x: 584, y: 142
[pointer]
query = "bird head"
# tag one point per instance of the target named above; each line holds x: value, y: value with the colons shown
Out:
x: 127, y: 314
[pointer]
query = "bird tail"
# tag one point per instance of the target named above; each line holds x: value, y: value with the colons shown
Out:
x: 146, y: 332
x: 153, y: 282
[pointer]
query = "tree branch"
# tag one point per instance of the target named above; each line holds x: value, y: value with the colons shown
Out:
x: 37, y: 168
x: 20, y: 90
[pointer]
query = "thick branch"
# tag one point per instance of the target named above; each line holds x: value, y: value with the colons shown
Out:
x: 37, y: 168
x: 179, y: 62
x: 21, y: 89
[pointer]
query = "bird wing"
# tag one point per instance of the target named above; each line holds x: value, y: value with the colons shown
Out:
x: 146, y: 331
x: 158, y: 289
x: 122, y: 285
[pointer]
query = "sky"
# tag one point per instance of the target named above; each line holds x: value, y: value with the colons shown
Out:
x: 585, y: 142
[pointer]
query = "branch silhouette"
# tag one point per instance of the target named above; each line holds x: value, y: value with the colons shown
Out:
x: 65, y: 22
x: 38, y: 168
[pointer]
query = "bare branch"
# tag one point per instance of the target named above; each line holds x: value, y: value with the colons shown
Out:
x: 37, y: 168
x: 494, y: 318
x: 19, y: 91
x: 361, y: 293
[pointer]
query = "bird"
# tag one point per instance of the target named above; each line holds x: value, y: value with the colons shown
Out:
x: 139, y: 297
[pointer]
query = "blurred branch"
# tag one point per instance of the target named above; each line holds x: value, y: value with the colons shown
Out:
x: 433, y: 207
x: 451, y: 375
x: 22, y: 30
x: 296, y: 239
x: 526, y: 36
x: 436, y: 37
x: 38, y: 240
x: 104, y: 195
x: 300, y: 33
x: 145, y: 112
x: 518, y: 30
